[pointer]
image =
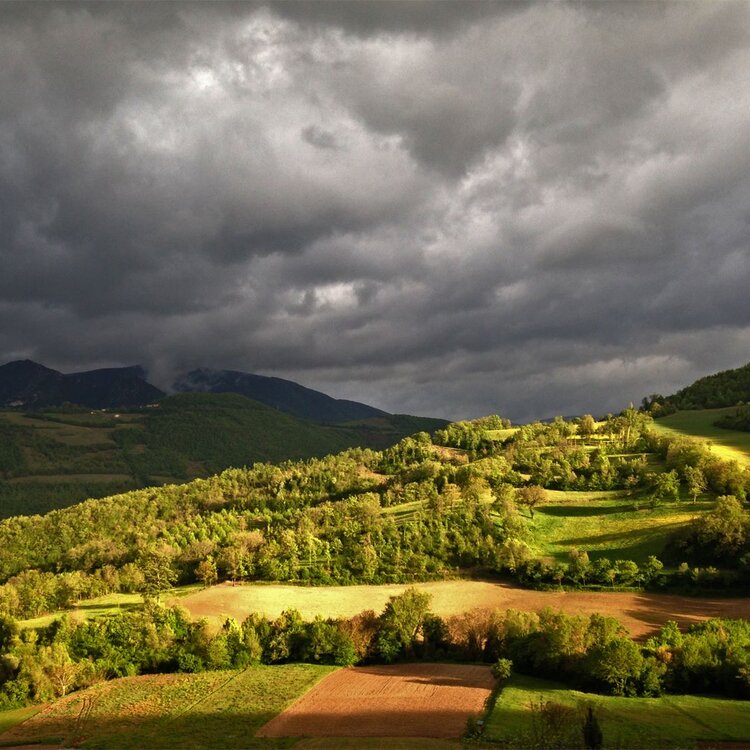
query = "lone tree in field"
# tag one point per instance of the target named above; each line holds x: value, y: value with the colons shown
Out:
x: 206, y: 572
x: 531, y: 496
x: 695, y: 480
x: 586, y: 426
x: 666, y: 487
x: 402, y: 621
x: 158, y: 573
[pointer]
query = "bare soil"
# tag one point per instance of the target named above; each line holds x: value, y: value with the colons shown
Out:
x: 641, y: 613
x: 403, y: 700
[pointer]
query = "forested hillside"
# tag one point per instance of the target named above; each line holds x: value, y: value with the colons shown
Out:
x: 726, y: 388
x: 284, y: 395
x: 50, y: 459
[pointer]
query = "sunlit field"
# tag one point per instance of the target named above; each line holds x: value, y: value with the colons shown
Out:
x: 727, y: 444
x: 669, y: 721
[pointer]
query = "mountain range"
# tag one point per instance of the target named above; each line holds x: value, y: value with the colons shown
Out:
x: 28, y: 385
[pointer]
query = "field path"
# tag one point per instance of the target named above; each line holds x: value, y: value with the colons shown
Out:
x: 398, y: 700
x: 641, y: 613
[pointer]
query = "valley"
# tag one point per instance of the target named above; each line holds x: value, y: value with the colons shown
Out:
x: 561, y: 548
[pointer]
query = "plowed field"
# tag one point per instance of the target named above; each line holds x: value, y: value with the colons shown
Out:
x: 404, y: 700
x: 641, y: 613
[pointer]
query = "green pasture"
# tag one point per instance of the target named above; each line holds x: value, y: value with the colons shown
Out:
x: 207, y: 710
x: 100, y: 606
x: 727, y: 444
x: 673, y: 721
x: 611, y: 525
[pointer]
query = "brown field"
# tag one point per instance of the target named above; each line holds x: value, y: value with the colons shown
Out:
x: 641, y: 613
x: 402, y: 700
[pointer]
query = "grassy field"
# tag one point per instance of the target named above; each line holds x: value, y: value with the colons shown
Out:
x: 678, y: 721
x: 608, y: 525
x: 727, y: 444
x: 207, y: 710
x: 641, y: 613
x: 9, y: 719
x: 105, y: 605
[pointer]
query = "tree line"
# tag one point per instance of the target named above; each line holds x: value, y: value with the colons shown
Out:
x: 592, y: 653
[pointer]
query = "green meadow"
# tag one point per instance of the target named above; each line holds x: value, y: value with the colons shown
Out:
x: 612, y: 525
x: 674, y: 721
x: 110, y: 604
x: 727, y: 444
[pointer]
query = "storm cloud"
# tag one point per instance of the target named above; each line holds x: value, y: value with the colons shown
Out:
x: 447, y: 208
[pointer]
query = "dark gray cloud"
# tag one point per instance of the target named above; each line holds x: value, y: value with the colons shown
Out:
x: 443, y: 208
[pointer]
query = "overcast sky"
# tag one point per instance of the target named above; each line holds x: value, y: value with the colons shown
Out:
x: 446, y: 209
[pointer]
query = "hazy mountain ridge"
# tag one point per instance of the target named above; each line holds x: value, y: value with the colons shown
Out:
x: 284, y: 395
x: 27, y: 384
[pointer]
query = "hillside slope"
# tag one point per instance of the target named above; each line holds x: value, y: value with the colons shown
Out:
x: 50, y: 459
x: 726, y: 388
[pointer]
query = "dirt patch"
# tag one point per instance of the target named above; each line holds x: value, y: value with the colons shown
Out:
x: 641, y: 613
x: 403, y: 700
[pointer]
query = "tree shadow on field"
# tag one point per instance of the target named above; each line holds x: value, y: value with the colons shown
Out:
x: 579, y: 511
x: 655, y: 609
x: 433, y: 673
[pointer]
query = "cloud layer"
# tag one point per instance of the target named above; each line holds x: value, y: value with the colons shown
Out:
x: 439, y: 208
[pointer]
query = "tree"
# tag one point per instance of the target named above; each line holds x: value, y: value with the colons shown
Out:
x: 586, y: 426
x: 60, y: 668
x: 206, y: 572
x: 695, y: 480
x: 401, y: 622
x: 531, y: 496
x: 618, y: 665
x: 158, y: 573
x: 666, y: 486
x: 502, y: 669
x: 579, y: 566
x: 725, y: 528
x: 651, y: 569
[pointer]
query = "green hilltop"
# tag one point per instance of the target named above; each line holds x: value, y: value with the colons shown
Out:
x: 726, y: 388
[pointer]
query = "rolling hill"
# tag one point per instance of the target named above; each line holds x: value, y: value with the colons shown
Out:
x: 52, y: 458
x: 725, y: 388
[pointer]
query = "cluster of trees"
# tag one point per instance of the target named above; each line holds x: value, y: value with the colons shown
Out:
x: 740, y: 420
x: 721, y: 536
x: 593, y: 653
x: 698, y: 469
